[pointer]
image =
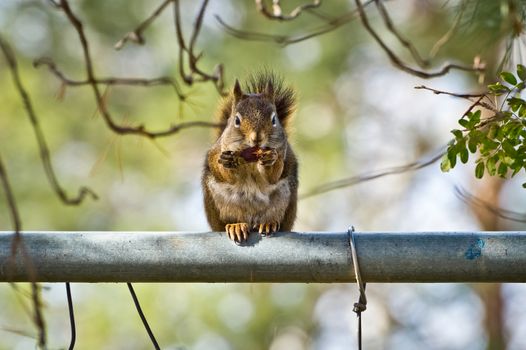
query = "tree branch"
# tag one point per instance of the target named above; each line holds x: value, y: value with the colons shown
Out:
x: 93, y: 82
x: 41, y: 140
x: 277, y: 12
x: 195, y: 74
x: 478, y: 102
x: 284, y: 40
x: 468, y: 198
x: 440, y: 92
x: 406, y: 43
x: 399, y: 63
x: 354, y: 180
x: 18, y: 244
x: 136, y: 35
x: 51, y: 66
x: 445, y: 38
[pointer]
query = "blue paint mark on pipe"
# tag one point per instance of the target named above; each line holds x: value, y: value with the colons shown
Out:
x: 474, y: 250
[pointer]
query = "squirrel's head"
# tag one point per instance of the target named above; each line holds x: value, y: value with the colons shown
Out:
x: 254, y: 120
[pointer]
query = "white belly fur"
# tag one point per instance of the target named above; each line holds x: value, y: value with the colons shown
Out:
x: 249, y: 201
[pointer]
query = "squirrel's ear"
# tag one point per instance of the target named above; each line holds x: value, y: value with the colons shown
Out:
x: 238, y: 93
x: 269, y: 91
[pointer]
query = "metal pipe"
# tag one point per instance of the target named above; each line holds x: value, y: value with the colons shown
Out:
x: 283, y: 257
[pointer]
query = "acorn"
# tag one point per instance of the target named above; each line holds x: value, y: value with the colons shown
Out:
x: 253, y: 154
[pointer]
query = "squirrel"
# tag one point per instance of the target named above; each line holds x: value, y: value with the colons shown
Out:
x: 250, y: 175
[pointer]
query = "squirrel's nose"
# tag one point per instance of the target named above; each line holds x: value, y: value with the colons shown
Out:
x: 254, y: 138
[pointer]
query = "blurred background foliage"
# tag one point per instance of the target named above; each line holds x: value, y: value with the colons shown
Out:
x: 357, y: 113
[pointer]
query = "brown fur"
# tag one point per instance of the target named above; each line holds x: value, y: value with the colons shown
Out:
x: 260, y: 194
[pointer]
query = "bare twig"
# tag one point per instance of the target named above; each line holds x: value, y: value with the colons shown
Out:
x: 440, y: 92
x: 19, y: 332
x: 18, y: 244
x: 406, y: 43
x: 11, y: 204
x: 42, y: 145
x: 399, y: 63
x: 478, y: 102
x: 284, y: 40
x: 196, y: 74
x: 52, y: 67
x: 93, y: 82
x: 500, y: 212
x: 354, y: 180
x: 277, y: 12
x: 445, y: 38
x: 182, y: 44
x: 192, y: 57
x: 136, y: 35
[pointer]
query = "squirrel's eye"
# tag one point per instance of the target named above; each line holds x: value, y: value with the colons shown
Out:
x: 237, y: 121
x: 273, y: 119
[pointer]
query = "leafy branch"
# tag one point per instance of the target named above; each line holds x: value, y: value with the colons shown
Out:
x: 500, y: 139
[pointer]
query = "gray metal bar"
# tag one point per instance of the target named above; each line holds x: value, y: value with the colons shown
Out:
x: 284, y: 257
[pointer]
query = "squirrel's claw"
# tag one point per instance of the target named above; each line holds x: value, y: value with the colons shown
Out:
x: 267, y: 229
x: 229, y: 159
x: 237, y: 232
x: 269, y: 157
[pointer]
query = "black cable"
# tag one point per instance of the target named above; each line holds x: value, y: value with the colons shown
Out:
x: 361, y: 305
x: 143, y: 318
x: 71, y: 317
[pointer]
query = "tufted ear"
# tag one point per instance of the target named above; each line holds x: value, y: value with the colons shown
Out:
x: 238, y: 93
x: 269, y: 91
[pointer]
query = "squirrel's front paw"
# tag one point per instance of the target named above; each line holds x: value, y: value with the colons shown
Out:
x: 229, y: 159
x: 237, y: 232
x: 267, y: 229
x: 268, y: 157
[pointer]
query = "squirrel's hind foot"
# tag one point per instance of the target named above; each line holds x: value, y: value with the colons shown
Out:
x: 267, y: 229
x: 237, y: 232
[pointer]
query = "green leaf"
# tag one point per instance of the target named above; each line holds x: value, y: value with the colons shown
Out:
x: 498, y: 89
x: 515, y: 130
x: 509, y: 78
x: 472, y: 144
x: 493, y: 131
x: 516, y: 166
x: 501, y: 133
x: 458, y: 134
x: 464, y: 123
x: 508, y: 148
x: 515, y: 103
x: 479, y: 170
x: 464, y: 155
x: 503, y: 170
x: 521, y: 72
x: 524, y: 185
x: 445, y: 164
x: 491, y: 165
x: 452, y: 156
x: 488, y: 145
x: 475, y: 117
x: 507, y: 160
